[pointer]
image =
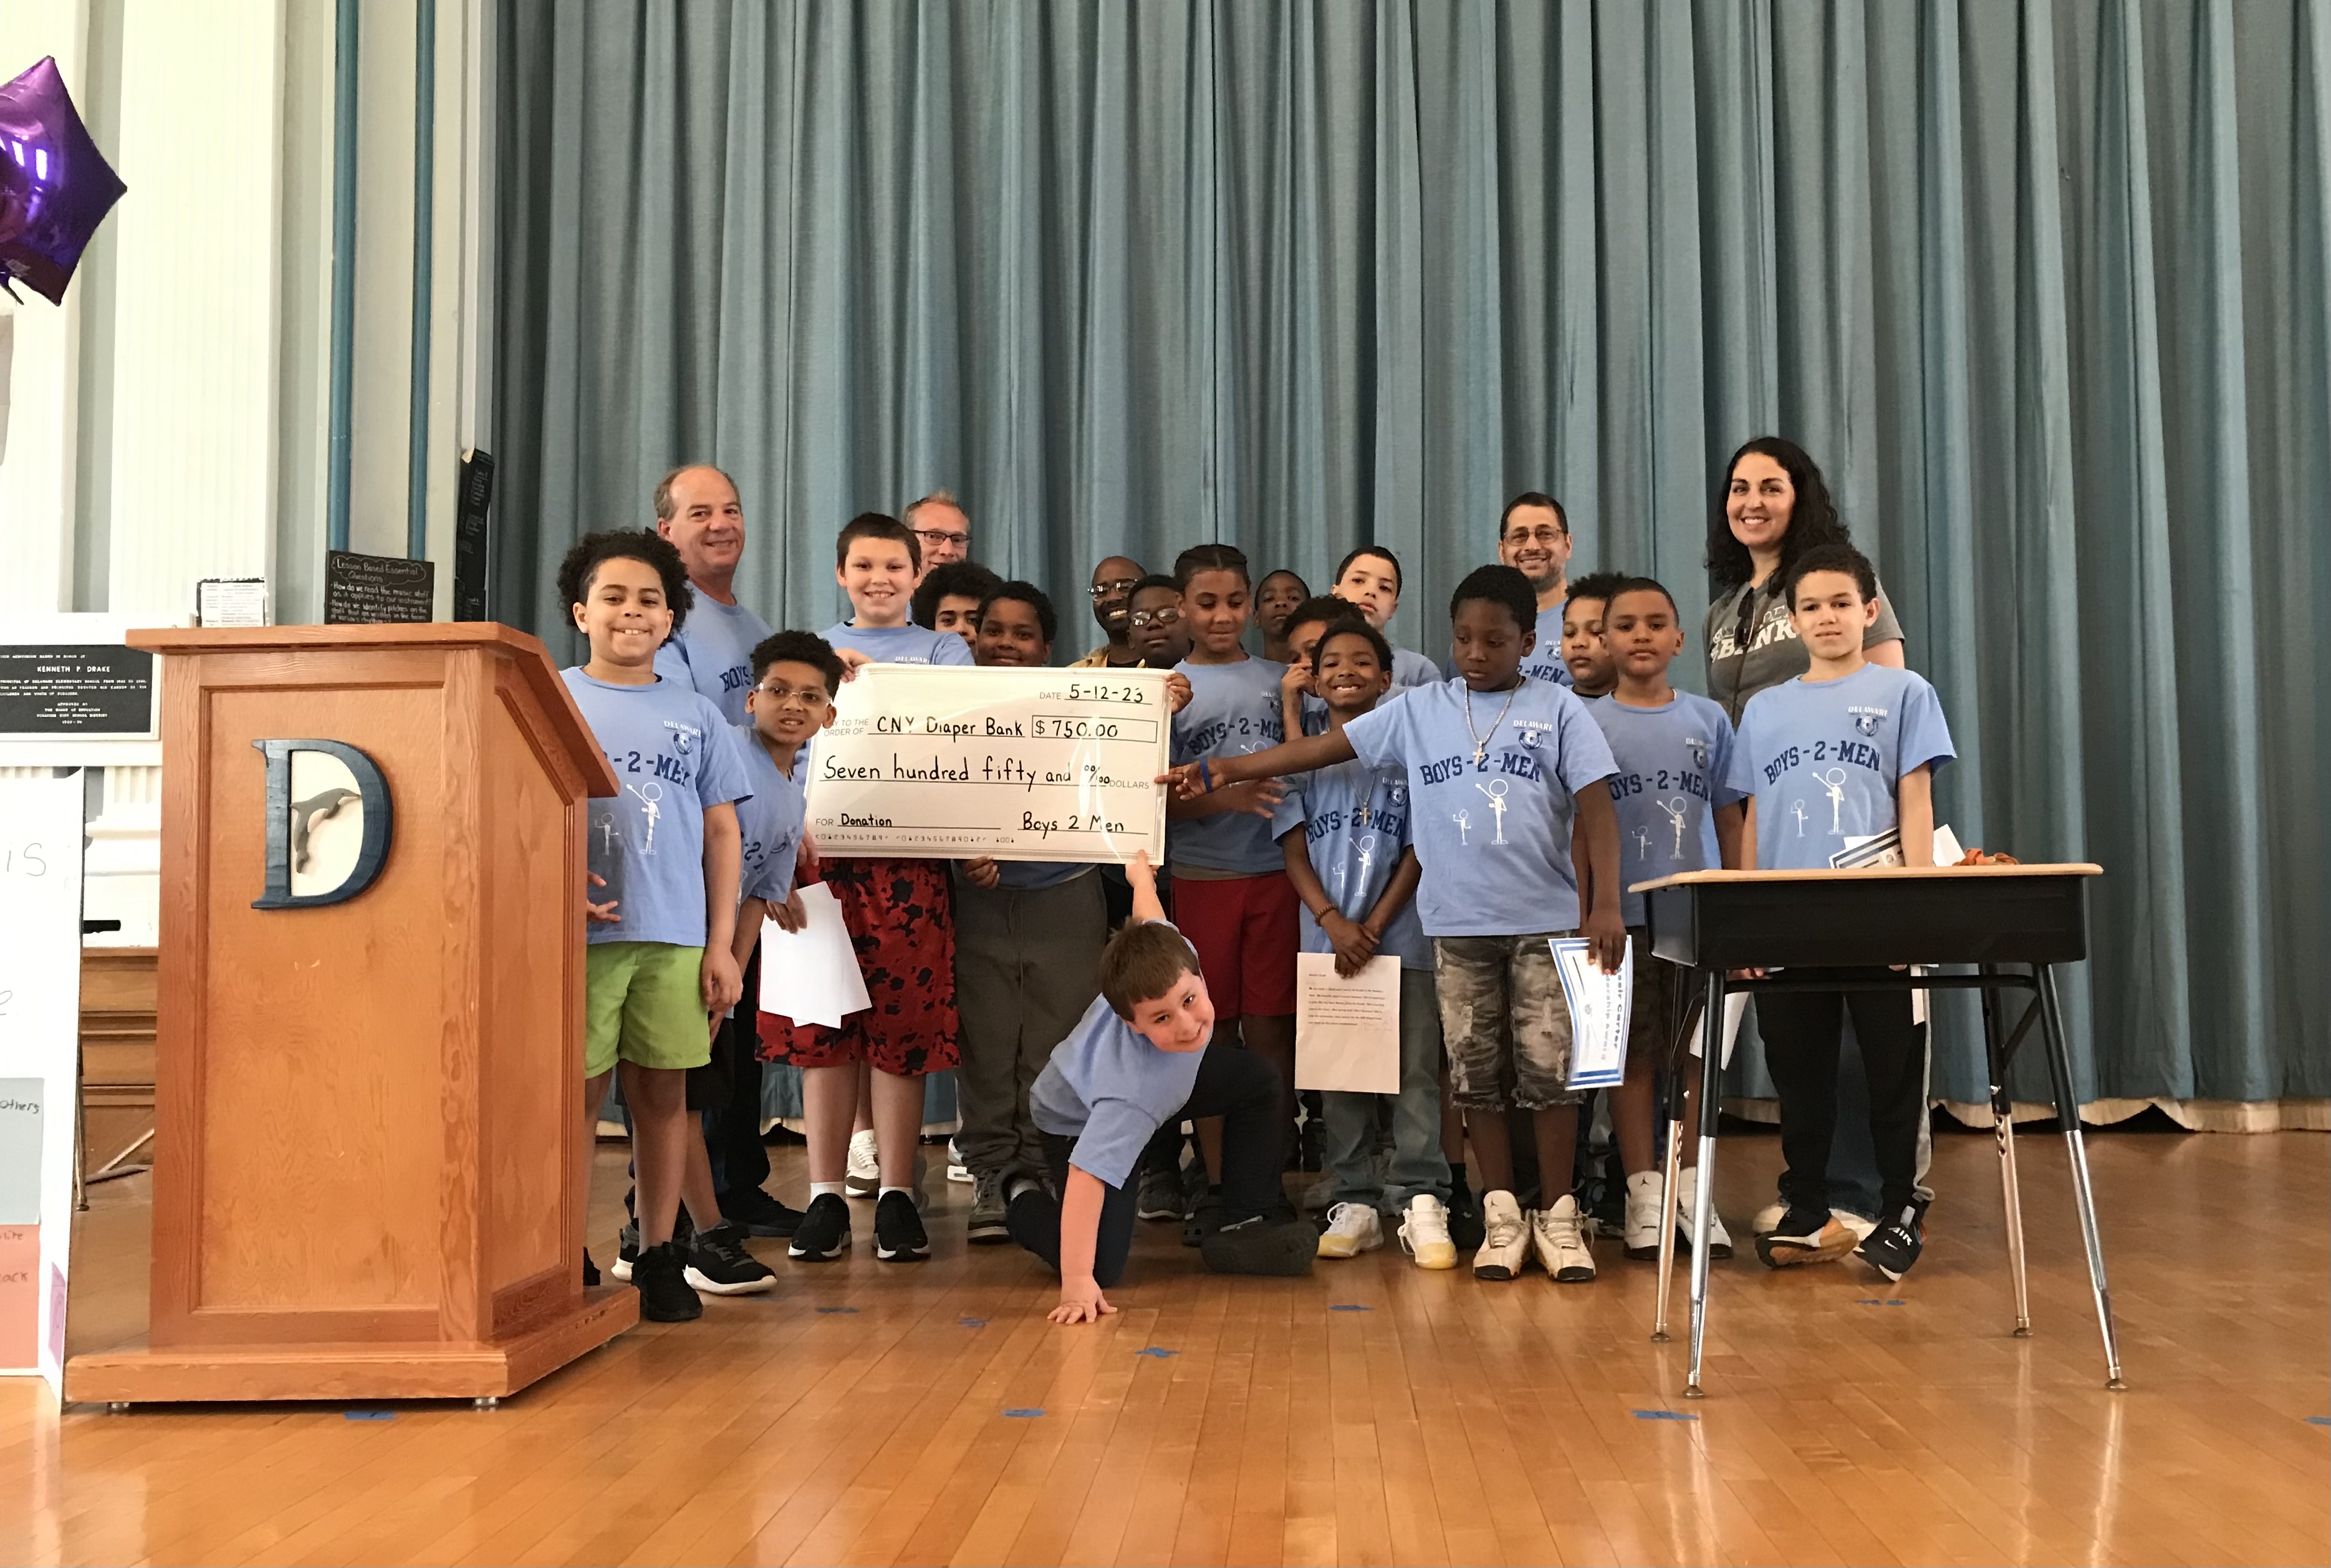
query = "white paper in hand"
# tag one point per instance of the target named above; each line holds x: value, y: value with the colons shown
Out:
x: 1346, y: 1032
x: 1598, y: 1008
x: 811, y: 975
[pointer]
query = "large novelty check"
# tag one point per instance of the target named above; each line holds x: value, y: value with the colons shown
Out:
x: 1023, y: 765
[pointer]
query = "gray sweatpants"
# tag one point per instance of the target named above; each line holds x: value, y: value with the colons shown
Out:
x: 1417, y: 1165
x: 1025, y: 970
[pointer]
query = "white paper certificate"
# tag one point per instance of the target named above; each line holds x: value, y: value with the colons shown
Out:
x: 946, y: 762
x: 1346, y: 1032
x: 1598, y: 1008
x: 811, y: 975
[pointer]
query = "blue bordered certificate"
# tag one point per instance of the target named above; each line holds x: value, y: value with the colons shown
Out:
x: 1600, y: 1005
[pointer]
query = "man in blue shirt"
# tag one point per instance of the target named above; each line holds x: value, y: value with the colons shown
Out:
x: 1534, y: 538
x: 1845, y: 751
x: 696, y: 510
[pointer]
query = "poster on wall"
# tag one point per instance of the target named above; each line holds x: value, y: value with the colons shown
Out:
x: 40, y: 1023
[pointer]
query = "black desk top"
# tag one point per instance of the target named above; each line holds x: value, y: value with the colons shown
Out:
x: 1880, y: 915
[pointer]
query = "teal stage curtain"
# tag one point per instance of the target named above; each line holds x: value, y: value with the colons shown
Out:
x: 2040, y: 285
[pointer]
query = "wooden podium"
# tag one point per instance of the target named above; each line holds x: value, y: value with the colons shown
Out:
x: 368, y: 1172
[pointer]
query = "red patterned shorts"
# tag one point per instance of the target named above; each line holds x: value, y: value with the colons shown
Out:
x: 901, y: 916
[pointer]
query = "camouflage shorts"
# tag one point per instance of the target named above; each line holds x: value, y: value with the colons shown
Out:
x: 1504, y: 1020
x: 1661, y: 990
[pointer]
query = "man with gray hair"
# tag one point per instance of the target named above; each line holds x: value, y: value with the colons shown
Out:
x: 942, y: 528
x: 697, y: 508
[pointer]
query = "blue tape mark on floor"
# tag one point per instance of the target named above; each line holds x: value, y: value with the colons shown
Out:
x: 2318, y: 1421
x: 973, y: 1322
x: 1665, y: 1415
x: 371, y: 1415
x: 1348, y: 1307
x: 1155, y: 1354
x: 1022, y: 1414
x: 1874, y: 1301
x: 834, y: 1309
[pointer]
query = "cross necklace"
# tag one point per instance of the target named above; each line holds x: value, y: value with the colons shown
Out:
x: 1481, y: 742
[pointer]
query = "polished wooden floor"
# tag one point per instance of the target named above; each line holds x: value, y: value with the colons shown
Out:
x: 1371, y: 1413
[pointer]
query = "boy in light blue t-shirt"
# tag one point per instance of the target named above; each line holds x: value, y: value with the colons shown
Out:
x: 661, y: 968
x: 1845, y: 751
x: 1497, y: 765
x: 1345, y: 832
x: 1679, y: 793
x: 1139, y: 1059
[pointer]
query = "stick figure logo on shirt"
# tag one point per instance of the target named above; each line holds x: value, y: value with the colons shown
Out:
x: 1642, y: 843
x: 1833, y: 781
x: 1464, y: 821
x: 607, y: 835
x: 1496, y: 790
x: 1367, y: 849
x: 1678, y: 808
x: 650, y: 793
x: 1797, y: 810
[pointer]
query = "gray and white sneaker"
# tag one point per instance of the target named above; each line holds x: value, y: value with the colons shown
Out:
x: 1505, y: 1244
x: 862, y: 1174
x: 1556, y: 1236
x: 987, y: 1225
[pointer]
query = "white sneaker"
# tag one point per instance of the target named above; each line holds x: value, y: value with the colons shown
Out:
x: 1860, y: 1226
x: 1719, y: 1239
x: 1424, y: 1233
x: 1352, y: 1228
x: 1769, y: 1218
x: 1643, y: 1193
x: 957, y: 1171
x: 1504, y: 1245
x: 1561, y: 1249
x: 862, y: 1177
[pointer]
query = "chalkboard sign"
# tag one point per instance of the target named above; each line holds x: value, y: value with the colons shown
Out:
x: 92, y: 690
x: 471, y: 545
x: 367, y: 590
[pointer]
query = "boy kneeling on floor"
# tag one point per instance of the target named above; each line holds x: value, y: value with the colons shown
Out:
x: 1136, y: 1059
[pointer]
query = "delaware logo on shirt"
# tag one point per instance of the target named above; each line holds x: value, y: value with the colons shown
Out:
x: 1532, y: 731
x: 1865, y: 719
x: 1698, y: 749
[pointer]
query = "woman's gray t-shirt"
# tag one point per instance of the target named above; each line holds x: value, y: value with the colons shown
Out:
x: 1751, y: 645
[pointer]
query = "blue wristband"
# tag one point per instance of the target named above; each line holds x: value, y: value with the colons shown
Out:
x: 1205, y: 776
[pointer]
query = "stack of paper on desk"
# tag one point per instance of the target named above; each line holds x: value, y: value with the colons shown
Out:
x: 811, y: 975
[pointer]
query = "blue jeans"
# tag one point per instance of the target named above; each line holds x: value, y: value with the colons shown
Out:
x: 1418, y: 1165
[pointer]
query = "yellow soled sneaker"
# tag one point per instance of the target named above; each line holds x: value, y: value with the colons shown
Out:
x: 1352, y: 1228
x: 1424, y: 1232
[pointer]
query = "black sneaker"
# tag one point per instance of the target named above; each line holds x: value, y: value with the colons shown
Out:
x: 1205, y: 1219
x: 1263, y: 1245
x: 1159, y: 1196
x: 627, y: 1242
x: 659, y: 1274
x: 590, y: 1271
x: 1467, y: 1228
x: 719, y: 1264
x: 1896, y: 1244
x: 755, y: 1212
x: 823, y: 1234
x: 1805, y: 1236
x: 899, y: 1234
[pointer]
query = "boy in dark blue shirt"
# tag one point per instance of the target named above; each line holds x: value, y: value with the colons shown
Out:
x: 1846, y: 750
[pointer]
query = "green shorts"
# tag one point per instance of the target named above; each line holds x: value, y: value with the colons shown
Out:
x: 643, y: 1001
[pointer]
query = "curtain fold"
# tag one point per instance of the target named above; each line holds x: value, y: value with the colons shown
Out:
x: 2040, y: 283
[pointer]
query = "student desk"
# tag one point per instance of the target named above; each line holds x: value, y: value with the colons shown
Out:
x: 2012, y: 923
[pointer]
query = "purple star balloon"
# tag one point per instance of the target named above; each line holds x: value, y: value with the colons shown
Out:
x: 55, y: 186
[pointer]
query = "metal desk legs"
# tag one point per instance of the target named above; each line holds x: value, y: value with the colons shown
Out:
x: 2002, y: 1122
x: 1711, y: 1060
x: 2068, y: 1112
x: 1677, y: 1059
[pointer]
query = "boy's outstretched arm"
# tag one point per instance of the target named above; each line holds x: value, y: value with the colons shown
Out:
x: 1143, y: 877
x: 1604, y: 930
x: 1194, y: 780
x: 1080, y: 1298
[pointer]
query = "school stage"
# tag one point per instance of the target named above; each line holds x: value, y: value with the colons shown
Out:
x: 878, y: 1413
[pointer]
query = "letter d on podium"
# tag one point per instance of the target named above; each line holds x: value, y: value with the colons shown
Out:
x: 292, y: 823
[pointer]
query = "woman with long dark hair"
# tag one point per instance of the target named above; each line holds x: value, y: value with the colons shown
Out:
x: 1770, y: 507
